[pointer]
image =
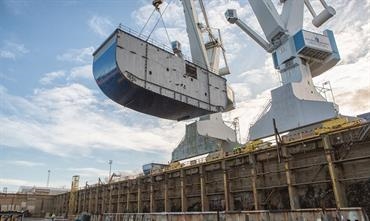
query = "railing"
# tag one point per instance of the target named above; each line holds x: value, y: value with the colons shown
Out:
x: 265, y: 108
x: 162, y: 46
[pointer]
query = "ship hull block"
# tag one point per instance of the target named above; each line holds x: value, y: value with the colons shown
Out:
x: 129, y: 72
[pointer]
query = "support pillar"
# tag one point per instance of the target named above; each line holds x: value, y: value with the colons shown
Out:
x: 183, y: 188
x: 128, y: 197
x: 293, y: 198
x: 138, y: 195
x: 110, y: 189
x: 151, y: 194
x: 96, y: 199
x: 338, y: 188
x: 166, y: 201
x: 84, y: 200
x: 203, y: 192
x: 252, y: 162
x: 119, y: 198
x: 226, y: 186
x: 103, y: 196
x: 78, y: 207
x: 90, y: 196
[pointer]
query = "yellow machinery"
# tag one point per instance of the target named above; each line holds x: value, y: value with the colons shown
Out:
x: 173, y: 166
x: 248, y: 147
x: 336, y: 124
x: 322, y: 128
x: 214, y: 156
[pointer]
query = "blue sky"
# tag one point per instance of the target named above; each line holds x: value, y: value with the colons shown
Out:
x: 53, y: 116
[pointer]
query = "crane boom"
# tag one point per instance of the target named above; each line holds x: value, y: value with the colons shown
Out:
x: 197, y: 47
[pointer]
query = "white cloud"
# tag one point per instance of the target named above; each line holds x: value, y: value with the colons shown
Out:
x: 84, y: 72
x: 13, y: 184
x: 16, y: 182
x: 25, y: 163
x: 89, y: 172
x: 75, y: 73
x: 6, y: 77
x: 351, y: 86
x: 101, y: 25
x: 48, y: 78
x: 12, y: 50
x: 71, y: 120
x: 7, y: 54
x: 247, y: 111
x: 82, y: 55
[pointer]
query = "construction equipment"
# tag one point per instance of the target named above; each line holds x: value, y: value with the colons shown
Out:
x: 214, y: 156
x: 138, y: 73
x: 337, y: 124
x: 316, y: 130
x: 173, y: 166
x: 298, y: 55
x: 252, y: 146
x: 114, y: 175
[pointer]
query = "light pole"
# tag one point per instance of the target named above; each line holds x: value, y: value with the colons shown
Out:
x: 110, y: 168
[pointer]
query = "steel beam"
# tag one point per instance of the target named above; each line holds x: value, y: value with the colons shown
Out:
x: 119, y: 198
x: 203, y: 193
x: 183, y: 195
x: 166, y: 201
x: 128, y: 197
x: 226, y: 186
x: 151, y: 203
x: 293, y: 198
x: 338, y: 188
x: 252, y: 161
x: 139, y: 195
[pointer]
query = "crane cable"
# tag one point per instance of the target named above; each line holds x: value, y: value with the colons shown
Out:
x: 160, y: 18
x: 147, y: 21
x: 165, y: 28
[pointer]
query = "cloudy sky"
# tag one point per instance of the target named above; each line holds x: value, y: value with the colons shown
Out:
x: 53, y: 116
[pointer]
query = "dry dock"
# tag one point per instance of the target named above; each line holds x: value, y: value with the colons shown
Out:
x: 327, y: 171
x: 299, y: 180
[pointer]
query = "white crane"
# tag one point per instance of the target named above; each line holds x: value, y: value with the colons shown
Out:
x: 298, y: 55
